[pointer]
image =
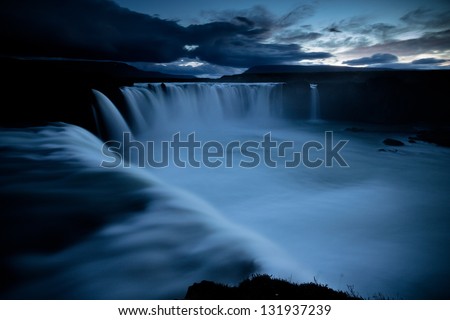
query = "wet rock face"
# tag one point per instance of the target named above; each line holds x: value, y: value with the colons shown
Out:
x: 393, y: 142
x: 440, y: 137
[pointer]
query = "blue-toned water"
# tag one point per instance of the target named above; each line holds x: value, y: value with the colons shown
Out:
x: 315, y: 102
x: 77, y: 230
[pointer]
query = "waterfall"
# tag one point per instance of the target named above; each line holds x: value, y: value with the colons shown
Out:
x: 84, y: 222
x: 159, y: 106
x: 111, y: 118
x: 315, y: 102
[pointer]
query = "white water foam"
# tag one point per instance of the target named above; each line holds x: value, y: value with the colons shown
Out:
x: 76, y: 230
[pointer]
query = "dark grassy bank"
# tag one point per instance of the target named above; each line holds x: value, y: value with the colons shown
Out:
x: 264, y: 287
x: 36, y: 92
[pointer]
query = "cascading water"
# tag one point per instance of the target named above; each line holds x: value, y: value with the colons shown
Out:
x: 288, y: 205
x: 315, y: 102
x: 122, y: 233
x: 190, y: 105
x: 113, y: 121
x: 131, y: 233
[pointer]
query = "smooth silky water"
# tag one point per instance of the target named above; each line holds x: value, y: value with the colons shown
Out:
x: 380, y: 225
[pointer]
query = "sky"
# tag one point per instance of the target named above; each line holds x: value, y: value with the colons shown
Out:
x: 201, y: 37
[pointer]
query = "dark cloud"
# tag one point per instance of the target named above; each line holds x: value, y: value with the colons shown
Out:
x: 347, y: 25
x: 258, y: 16
x: 244, y: 45
x: 377, y: 58
x: 333, y: 28
x: 359, y: 25
x: 299, y: 13
x: 238, y: 46
x: 427, y: 18
x: 245, y: 20
x: 430, y: 41
x: 100, y: 29
x: 346, y: 41
x: 382, y: 31
x: 238, y: 53
x: 92, y: 29
x: 262, y: 18
x: 429, y: 61
x: 298, y: 36
x: 432, y: 30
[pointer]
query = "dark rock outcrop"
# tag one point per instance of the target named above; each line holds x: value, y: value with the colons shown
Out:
x: 440, y: 137
x: 379, y: 96
x: 263, y: 287
x: 36, y: 92
x: 393, y: 142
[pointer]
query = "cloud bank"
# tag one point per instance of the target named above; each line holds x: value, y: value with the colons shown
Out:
x: 102, y: 30
x: 429, y: 61
x: 377, y: 58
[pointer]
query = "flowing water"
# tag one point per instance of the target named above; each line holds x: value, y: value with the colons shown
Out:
x: 315, y: 102
x: 77, y: 230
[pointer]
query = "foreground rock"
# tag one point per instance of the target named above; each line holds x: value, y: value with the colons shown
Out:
x: 439, y: 137
x: 263, y: 287
x: 393, y: 142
